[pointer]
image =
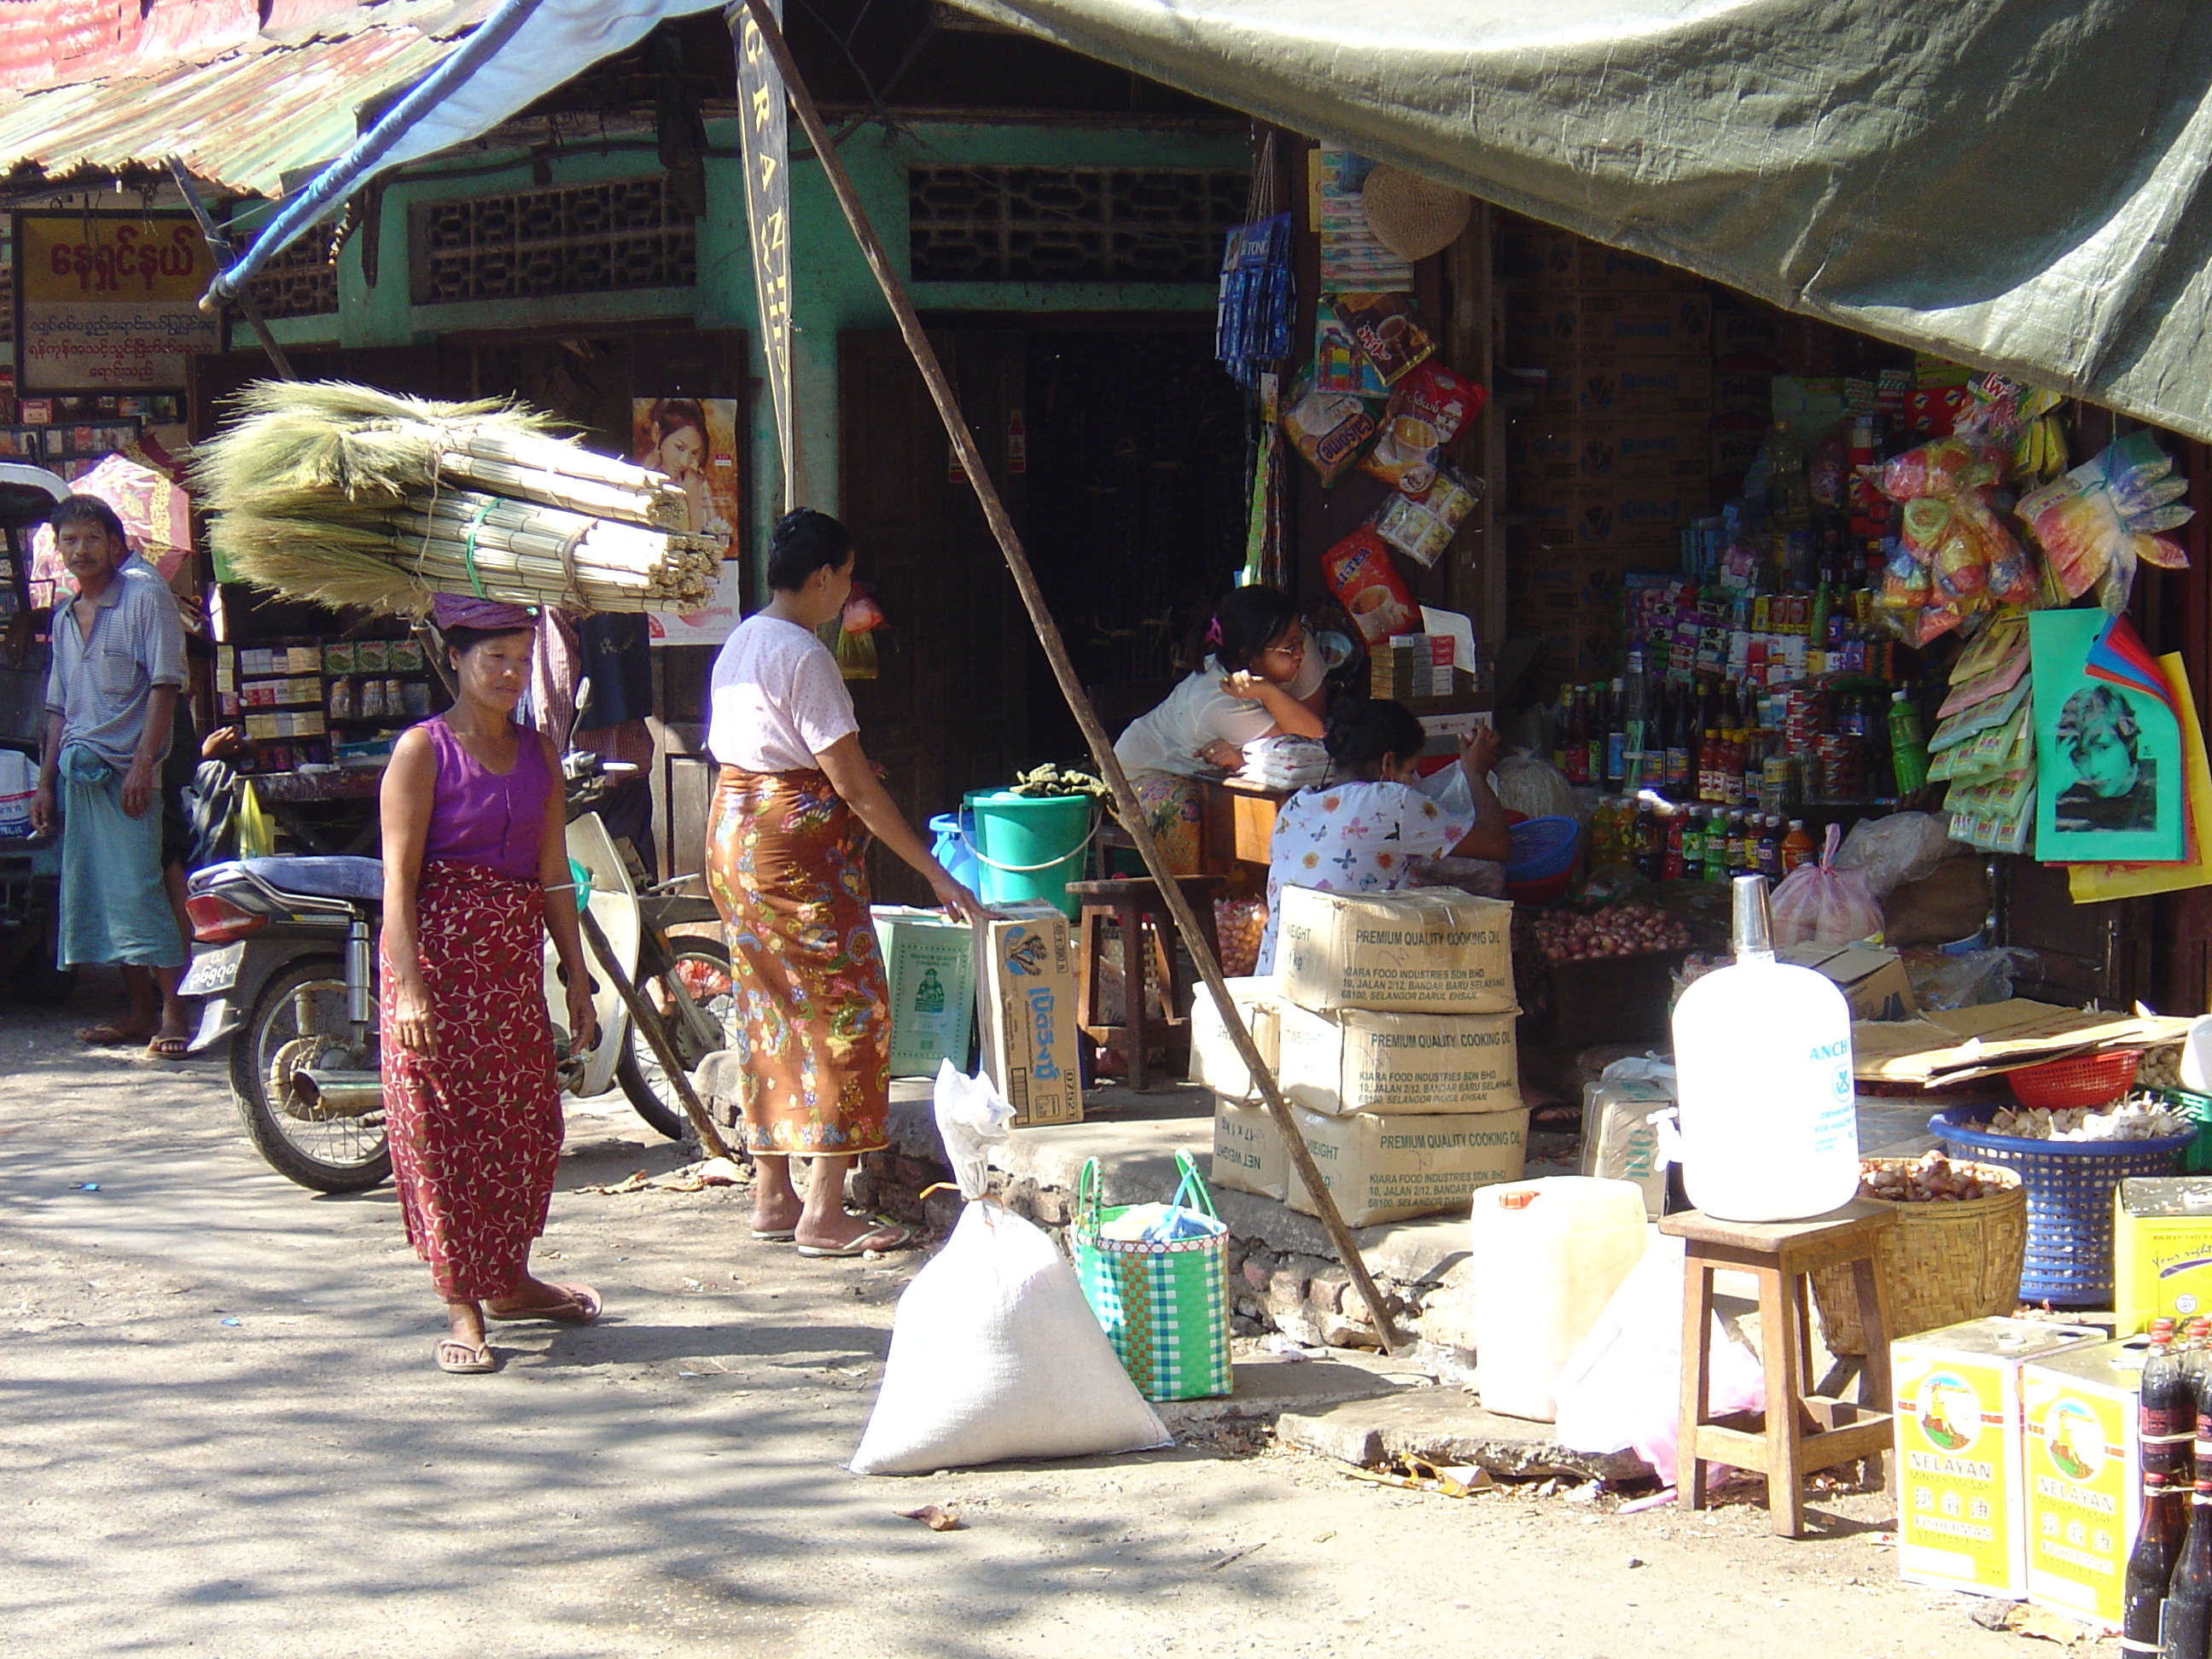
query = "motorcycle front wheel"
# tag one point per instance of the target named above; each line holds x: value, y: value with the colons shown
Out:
x: 704, y: 964
x: 300, y: 1020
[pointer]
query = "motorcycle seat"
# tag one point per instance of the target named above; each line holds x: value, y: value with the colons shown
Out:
x: 332, y: 877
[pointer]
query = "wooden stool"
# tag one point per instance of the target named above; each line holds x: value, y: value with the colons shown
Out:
x: 1135, y: 906
x: 1802, y: 1432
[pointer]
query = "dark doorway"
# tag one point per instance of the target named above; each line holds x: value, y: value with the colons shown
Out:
x: 1130, y: 502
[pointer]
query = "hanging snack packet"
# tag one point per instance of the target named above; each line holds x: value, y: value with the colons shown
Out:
x: 1427, y: 410
x: 1421, y: 526
x: 1382, y: 326
x: 1359, y: 571
x: 1329, y: 429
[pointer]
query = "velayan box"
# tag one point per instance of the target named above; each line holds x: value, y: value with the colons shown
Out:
x: 1247, y: 1153
x: 929, y: 964
x: 2084, y: 1468
x: 1421, y: 949
x: 1026, y: 1011
x: 1359, y: 1060
x: 1214, y: 1062
x: 2161, y: 1249
x: 1387, y: 1168
x: 1962, y: 1513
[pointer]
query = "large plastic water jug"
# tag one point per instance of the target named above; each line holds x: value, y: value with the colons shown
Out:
x: 1763, y: 1074
x: 1545, y: 1257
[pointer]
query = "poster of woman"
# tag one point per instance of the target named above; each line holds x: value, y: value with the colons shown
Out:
x: 695, y: 441
x: 2108, y: 745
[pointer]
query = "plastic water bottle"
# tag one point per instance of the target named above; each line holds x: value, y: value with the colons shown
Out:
x: 1763, y: 1070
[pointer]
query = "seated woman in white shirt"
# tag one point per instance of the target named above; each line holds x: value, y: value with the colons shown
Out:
x: 1262, y: 679
x: 1364, y: 830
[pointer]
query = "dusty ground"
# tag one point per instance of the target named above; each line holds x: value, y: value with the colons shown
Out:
x: 219, y: 1433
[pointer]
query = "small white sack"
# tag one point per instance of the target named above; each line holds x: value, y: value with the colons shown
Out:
x: 995, y: 1352
x: 994, y: 1355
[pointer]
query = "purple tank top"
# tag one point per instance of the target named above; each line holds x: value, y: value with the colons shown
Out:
x: 479, y: 817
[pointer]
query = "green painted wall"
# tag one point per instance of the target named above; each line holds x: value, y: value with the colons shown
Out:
x: 832, y: 286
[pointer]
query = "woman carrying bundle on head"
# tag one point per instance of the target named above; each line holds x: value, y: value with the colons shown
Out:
x: 476, y: 875
x: 1363, y: 831
x: 786, y: 836
x: 1261, y: 678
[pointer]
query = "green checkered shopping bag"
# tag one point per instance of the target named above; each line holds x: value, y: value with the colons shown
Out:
x: 1162, y: 1298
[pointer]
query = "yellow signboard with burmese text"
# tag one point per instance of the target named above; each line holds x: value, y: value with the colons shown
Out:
x: 110, y: 301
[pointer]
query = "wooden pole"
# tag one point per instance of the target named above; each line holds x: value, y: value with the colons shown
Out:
x: 219, y: 245
x: 645, y: 1019
x: 1063, y: 670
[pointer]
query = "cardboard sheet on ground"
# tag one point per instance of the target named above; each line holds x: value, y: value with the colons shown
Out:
x: 2090, y: 884
x: 1959, y: 1045
x: 2108, y: 754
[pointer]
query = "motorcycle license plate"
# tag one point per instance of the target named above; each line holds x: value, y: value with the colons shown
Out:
x: 212, y: 971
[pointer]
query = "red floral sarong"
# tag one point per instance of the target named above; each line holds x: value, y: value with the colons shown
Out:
x: 476, y: 1132
x: 810, y: 1020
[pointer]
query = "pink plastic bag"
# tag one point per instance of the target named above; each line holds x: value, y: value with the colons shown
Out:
x: 1623, y: 1389
x: 1820, y: 904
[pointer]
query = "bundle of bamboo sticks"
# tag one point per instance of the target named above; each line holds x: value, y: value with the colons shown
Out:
x: 350, y: 496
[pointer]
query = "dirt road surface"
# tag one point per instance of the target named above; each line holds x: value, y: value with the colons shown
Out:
x: 220, y: 1433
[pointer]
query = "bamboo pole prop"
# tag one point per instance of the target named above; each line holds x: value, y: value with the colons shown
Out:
x: 1063, y: 669
x: 642, y: 1016
x: 219, y: 246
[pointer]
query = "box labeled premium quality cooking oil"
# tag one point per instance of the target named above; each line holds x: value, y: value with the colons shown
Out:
x: 2084, y: 1467
x: 1962, y: 1511
x: 2161, y: 1250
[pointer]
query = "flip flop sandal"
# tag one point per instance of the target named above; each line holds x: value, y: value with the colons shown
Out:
x: 888, y: 1237
x: 480, y: 1361
x: 775, y: 1235
x: 582, y: 1307
x: 107, y: 1036
x: 168, y: 1048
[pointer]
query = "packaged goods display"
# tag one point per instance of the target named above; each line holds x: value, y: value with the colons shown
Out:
x: 1360, y: 1060
x: 1026, y: 1011
x: 2085, y: 1467
x: 1381, y: 1168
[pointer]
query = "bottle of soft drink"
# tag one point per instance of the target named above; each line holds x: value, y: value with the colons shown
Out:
x: 2186, y: 1619
x: 1681, y: 742
x: 1908, y: 743
x: 1676, y: 864
x: 1796, y: 847
x: 2164, y: 1400
x: 1616, y: 739
x: 1650, y: 836
x: 1574, y: 742
x: 1770, y: 848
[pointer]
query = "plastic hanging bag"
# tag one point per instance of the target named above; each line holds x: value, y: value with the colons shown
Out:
x: 995, y: 1352
x: 257, y: 833
x: 1820, y: 904
x: 1892, y: 851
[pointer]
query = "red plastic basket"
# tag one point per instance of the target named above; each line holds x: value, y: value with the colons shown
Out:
x: 2077, y: 1080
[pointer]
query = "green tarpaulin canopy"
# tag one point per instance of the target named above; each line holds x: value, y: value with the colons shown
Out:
x: 2015, y: 183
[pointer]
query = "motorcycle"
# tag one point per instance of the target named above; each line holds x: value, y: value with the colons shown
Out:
x: 287, y: 967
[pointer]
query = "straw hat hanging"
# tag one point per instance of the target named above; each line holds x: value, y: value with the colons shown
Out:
x: 1411, y: 217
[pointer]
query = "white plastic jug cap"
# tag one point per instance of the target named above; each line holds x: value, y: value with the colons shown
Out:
x: 1515, y: 1200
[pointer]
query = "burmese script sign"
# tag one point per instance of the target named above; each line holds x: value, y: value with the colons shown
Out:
x: 109, y: 301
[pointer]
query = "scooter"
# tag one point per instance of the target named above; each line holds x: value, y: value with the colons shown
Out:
x: 287, y: 967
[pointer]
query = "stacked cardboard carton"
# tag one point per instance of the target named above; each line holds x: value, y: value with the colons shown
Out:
x: 1389, y: 1025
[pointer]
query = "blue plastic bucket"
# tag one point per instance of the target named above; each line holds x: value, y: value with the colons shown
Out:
x: 1030, y: 847
x: 953, y: 831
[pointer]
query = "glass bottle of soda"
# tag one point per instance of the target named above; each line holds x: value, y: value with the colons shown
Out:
x: 2186, y: 1619
x: 2166, y: 1399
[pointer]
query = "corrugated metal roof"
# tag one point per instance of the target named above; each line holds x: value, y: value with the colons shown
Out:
x: 241, y: 115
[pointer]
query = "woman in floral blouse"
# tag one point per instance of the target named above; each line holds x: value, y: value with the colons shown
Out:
x: 1361, y: 832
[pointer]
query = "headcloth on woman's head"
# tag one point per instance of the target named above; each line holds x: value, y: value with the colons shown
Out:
x: 450, y: 610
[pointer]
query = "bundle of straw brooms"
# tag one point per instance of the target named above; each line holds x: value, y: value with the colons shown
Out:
x: 350, y: 496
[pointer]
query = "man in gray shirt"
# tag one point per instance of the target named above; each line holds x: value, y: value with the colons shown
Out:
x: 118, y: 667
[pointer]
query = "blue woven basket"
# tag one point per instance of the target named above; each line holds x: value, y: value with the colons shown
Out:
x: 1542, y: 849
x: 2070, y: 1185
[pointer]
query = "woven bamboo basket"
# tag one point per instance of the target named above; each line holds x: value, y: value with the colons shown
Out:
x: 1944, y: 1261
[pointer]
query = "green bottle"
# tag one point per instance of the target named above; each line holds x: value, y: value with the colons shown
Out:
x: 1908, y: 744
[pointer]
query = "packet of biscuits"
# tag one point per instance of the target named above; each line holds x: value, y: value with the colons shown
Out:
x: 1383, y: 327
x: 1422, y: 526
x: 1330, y: 429
x: 1427, y: 410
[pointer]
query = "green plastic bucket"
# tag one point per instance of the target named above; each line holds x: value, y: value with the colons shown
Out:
x: 1030, y: 847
